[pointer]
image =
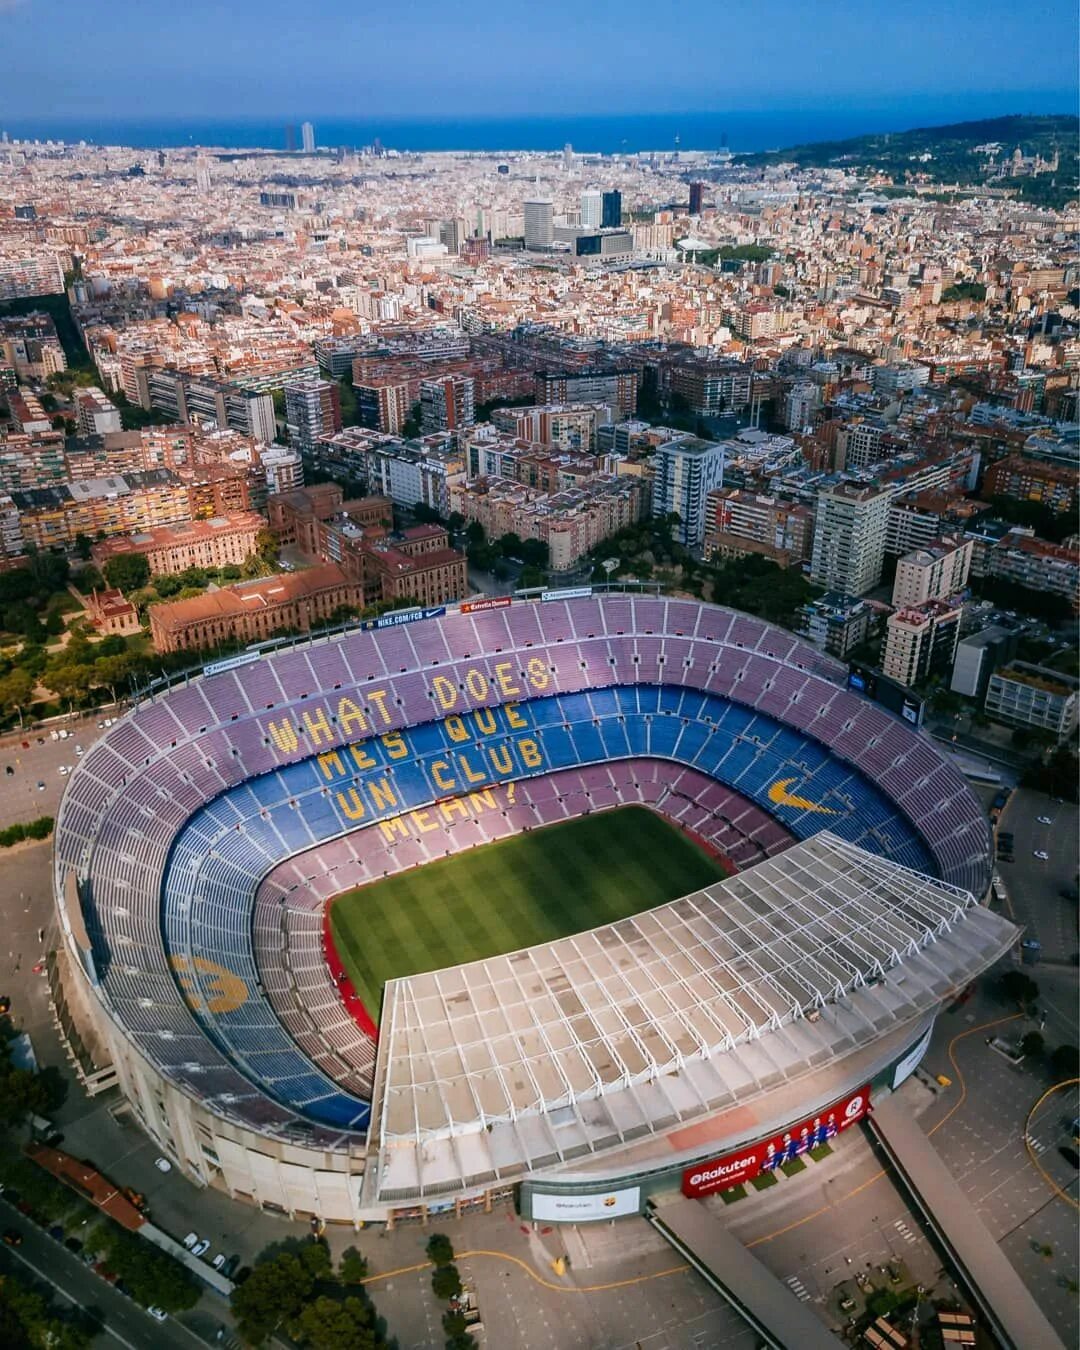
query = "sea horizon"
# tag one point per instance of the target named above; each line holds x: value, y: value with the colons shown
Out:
x: 739, y: 130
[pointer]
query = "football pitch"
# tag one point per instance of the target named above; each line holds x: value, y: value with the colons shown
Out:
x: 520, y: 891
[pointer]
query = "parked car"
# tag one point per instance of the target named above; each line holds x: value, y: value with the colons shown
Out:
x: 1041, y: 854
x: 163, y: 1164
x: 1045, y: 820
x: 191, y: 1240
x: 73, y: 1245
x: 230, y: 1266
x: 41, y: 787
x: 218, y: 1261
x: 201, y: 1247
x: 56, y: 1233
x: 5, y: 1006
x: 12, y: 1237
x: 158, y: 1314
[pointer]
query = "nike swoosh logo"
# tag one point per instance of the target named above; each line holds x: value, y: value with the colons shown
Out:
x: 779, y: 794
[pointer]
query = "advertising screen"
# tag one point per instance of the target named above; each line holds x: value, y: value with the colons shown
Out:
x: 730, y: 1169
x: 582, y: 1208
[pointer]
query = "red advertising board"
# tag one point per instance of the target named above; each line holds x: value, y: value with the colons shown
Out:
x: 730, y: 1169
x: 494, y: 602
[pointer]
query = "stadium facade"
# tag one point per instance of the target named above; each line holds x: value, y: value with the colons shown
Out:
x: 200, y: 840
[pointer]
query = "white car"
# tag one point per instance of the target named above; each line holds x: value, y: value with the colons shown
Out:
x: 219, y: 1260
x: 158, y: 1314
x: 78, y: 750
x: 1041, y: 854
x: 191, y: 1240
x: 63, y: 770
x: 1046, y: 820
x: 163, y: 1164
x: 201, y: 1247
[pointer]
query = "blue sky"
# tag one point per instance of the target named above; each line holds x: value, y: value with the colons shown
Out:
x: 420, y: 58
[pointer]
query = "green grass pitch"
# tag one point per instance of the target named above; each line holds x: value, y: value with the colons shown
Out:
x: 515, y: 893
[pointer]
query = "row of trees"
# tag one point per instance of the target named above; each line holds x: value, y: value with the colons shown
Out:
x: 295, y: 1290
x: 446, y: 1284
x: 1017, y: 987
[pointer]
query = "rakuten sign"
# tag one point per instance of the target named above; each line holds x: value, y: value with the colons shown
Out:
x: 718, y: 1174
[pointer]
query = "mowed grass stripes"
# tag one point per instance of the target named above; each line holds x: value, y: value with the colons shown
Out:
x: 532, y: 888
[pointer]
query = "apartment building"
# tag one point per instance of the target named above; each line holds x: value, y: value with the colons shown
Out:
x: 936, y: 572
x: 917, y: 519
x: 1038, y: 565
x: 312, y: 412
x: 920, y: 641
x: 95, y: 415
x: 30, y: 345
x: 169, y: 549
x: 1025, y: 695
x: 447, y: 404
x: 739, y: 523
x: 199, y: 398
x: 569, y: 426
x: 407, y: 472
x: 617, y: 389
x: 686, y: 471
x: 1051, y: 485
x: 976, y: 658
x: 836, y: 623
x: 29, y: 275
x: 254, y: 610
x: 570, y: 522
x: 25, y: 410
x: 849, y: 537
x: 383, y: 405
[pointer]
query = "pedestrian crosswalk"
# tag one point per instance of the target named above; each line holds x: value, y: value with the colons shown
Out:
x: 1037, y: 1145
x: 905, y: 1232
x: 798, y: 1288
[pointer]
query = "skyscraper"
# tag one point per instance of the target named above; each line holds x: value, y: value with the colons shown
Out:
x: 290, y: 138
x: 687, y: 470
x: 611, y: 214
x: 539, y: 222
x: 697, y: 194
x: 202, y: 175
x: 307, y: 131
x: 592, y: 209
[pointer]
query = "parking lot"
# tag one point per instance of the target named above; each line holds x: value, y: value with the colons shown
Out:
x: 31, y: 781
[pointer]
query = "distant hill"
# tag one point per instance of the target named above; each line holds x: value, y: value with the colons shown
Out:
x: 947, y: 155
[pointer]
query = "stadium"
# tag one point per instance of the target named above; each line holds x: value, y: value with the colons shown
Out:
x: 296, y: 892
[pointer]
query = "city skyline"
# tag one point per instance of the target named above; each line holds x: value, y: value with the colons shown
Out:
x: 425, y: 65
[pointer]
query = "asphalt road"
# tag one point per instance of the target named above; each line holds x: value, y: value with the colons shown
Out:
x: 123, y: 1322
x: 1033, y: 884
x: 31, y: 763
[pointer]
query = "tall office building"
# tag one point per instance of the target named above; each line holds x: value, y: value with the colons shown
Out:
x: 592, y: 209
x: 202, y: 175
x: 290, y: 138
x: 307, y: 132
x: 687, y: 470
x: 447, y: 404
x: 611, y: 211
x: 312, y: 412
x: 849, y: 538
x: 539, y: 222
x: 697, y: 196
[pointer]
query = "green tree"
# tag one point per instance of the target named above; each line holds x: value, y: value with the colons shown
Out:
x: 153, y: 1276
x: 266, y: 545
x: 445, y: 1282
x: 440, y: 1250
x: 112, y: 672
x: 1016, y: 987
x: 1032, y: 1045
x: 127, y: 571
x: 316, y: 1260
x: 353, y: 1267
x: 327, y: 1324
x: 16, y: 691
x: 275, y: 1292
x: 83, y: 544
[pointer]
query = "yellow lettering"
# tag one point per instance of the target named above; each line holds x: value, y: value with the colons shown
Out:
x: 424, y: 823
x: 445, y: 692
x: 351, y: 717
x: 501, y: 759
x: 331, y: 765
x: 283, y: 734
x: 503, y: 670
x: 467, y: 770
x: 476, y: 683
x: 530, y: 753
x: 513, y: 717
x: 482, y: 801
x: 318, y: 725
x: 440, y: 772
x: 394, y: 745
x: 378, y: 698
x: 453, y: 806
x: 485, y: 722
x: 455, y: 729
x: 362, y: 758
x: 390, y: 828
x: 382, y: 794
x: 351, y: 804
x: 539, y: 675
